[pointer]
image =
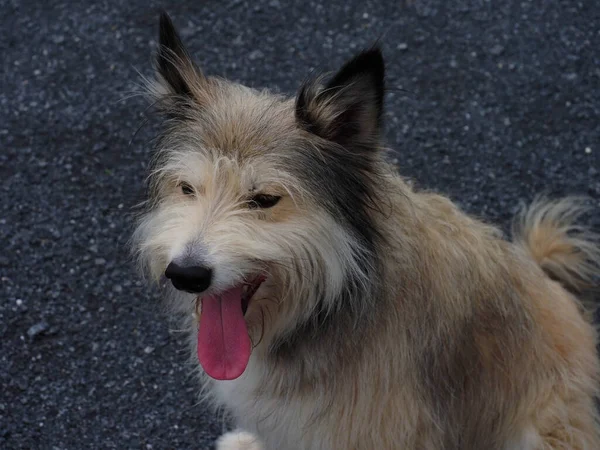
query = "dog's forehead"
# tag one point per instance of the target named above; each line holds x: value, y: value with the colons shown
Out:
x: 246, y: 124
x: 238, y: 137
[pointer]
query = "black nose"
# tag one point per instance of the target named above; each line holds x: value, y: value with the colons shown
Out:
x: 193, y: 279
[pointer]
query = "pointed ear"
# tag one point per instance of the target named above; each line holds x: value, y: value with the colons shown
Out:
x: 176, y: 72
x: 348, y: 109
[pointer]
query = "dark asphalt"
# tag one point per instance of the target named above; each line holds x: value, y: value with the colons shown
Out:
x: 490, y: 101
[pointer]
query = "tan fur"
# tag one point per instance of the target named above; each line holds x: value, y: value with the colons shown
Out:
x: 469, y: 345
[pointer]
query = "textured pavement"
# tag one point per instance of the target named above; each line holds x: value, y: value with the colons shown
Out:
x: 490, y: 101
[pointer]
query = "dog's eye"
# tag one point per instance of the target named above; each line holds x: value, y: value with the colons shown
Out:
x: 263, y: 201
x: 186, y: 188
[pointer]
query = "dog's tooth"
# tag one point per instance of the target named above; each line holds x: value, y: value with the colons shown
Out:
x: 197, y: 307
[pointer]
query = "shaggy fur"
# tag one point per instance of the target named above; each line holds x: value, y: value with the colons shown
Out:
x: 389, y: 319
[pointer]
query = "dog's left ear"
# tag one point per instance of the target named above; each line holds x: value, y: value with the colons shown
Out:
x: 176, y: 71
x: 348, y: 109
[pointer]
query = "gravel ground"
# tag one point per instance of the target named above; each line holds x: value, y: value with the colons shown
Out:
x: 491, y: 102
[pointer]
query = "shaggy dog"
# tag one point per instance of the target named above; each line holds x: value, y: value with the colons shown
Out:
x: 331, y: 305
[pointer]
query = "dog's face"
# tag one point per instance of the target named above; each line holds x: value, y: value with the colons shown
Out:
x: 259, y: 209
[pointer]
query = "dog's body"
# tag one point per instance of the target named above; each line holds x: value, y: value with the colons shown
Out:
x: 384, y: 317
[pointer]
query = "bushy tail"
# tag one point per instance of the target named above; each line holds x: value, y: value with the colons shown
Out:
x: 567, y: 252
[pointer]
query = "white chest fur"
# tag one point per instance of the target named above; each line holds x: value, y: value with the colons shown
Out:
x: 279, y: 424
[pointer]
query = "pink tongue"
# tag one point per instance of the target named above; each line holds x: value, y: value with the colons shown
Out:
x: 223, y: 342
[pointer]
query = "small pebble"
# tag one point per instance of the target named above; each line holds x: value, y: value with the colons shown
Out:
x: 497, y: 50
x: 37, y: 329
x: 256, y: 54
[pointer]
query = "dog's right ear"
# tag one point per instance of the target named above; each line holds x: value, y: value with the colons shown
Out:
x: 348, y: 109
x: 177, y: 74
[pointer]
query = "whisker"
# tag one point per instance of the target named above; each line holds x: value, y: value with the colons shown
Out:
x: 144, y: 122
x: 262, y: 328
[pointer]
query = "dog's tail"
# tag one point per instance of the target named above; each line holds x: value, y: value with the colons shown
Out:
x: 566, y: 251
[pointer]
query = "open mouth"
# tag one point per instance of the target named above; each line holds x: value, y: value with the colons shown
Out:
x: 249, y: 288
x: 224, y: 345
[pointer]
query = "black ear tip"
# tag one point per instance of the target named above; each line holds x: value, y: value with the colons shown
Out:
x: 367, y: 63
x: 374, y: 51
x: 167, y: 34
x: 165, y: 19
x: 371, y: 58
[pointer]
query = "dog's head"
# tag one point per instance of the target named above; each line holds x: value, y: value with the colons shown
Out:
x: 260, y: 206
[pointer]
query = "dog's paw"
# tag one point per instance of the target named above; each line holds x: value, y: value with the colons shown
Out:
x: 239, y: 440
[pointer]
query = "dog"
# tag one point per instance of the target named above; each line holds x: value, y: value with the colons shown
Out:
x: 330, y: 304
